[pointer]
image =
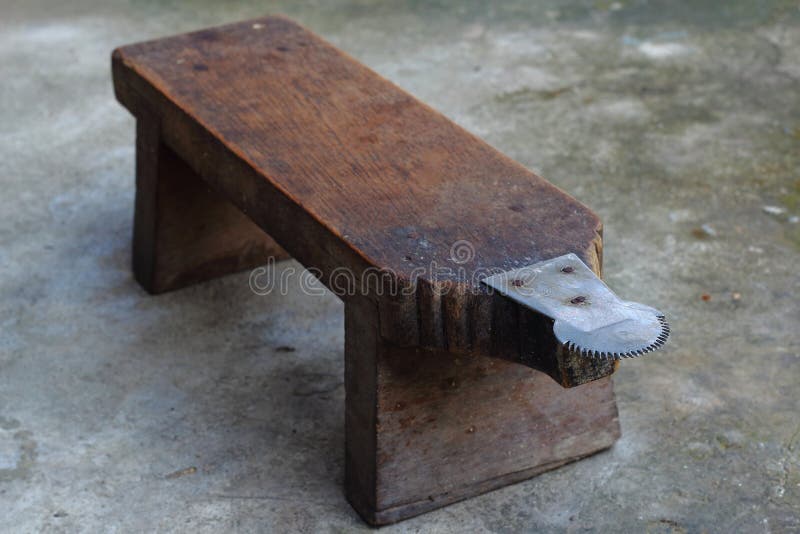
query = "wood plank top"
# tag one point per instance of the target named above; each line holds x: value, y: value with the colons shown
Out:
x: 396, y: 180
x: 326, y: 143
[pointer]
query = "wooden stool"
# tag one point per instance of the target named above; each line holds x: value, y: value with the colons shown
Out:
x: 258, y: 138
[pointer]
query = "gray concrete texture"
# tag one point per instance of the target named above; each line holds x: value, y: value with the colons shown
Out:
x: 216, y: 410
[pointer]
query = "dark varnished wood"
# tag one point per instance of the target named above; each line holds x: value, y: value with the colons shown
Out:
x: 260, y: 133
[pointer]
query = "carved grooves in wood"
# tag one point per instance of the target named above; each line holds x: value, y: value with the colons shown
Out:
x: 461, y: 319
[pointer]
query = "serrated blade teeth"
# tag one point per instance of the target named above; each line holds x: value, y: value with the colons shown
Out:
x: 589, y: 352
x: 588, y: 318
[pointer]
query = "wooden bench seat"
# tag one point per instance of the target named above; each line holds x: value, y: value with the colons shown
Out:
x: 258, y: 140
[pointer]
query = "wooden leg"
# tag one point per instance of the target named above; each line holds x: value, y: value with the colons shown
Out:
x: 428, y: 428
x: 185, y: 232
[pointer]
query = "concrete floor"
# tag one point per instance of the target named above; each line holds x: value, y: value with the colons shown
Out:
x: 679, y: 123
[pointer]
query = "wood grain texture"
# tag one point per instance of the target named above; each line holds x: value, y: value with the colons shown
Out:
x: 345, y: 170
x: 184, y: 232
x: 425, y: 430
x: 262, y: 121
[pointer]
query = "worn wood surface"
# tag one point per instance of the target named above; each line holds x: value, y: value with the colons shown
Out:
x: 185, y: 232
x: 262, y: 121
x: 427, y: 428
x: 346, y: 170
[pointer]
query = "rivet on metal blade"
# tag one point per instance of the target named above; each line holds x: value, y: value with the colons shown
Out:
x: 589, y: 318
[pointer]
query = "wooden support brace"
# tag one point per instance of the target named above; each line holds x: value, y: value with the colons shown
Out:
x: 427, y: 427
x: 184, y: 232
